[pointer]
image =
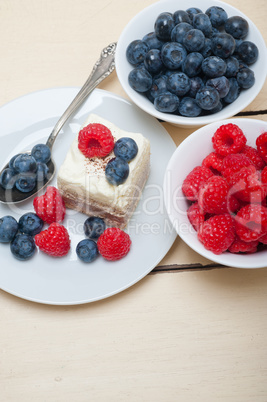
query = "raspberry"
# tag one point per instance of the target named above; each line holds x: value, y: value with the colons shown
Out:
x: 95, y: 140
x: 263, y: 239
x: 114, y: 244
x: 264, y: 176
x: 261, y: 143
x: 214, y: 162
x: 194, y: 181
x: 251, y: 222
x: 217, y: 233
x: 195, y: 216
x: 233, y: 163
x: 241, y: 246
x: 50, y: 207
x: 54, y: 241
x: 247, y: 186
x: 228, y: 139
x: 254, y: 156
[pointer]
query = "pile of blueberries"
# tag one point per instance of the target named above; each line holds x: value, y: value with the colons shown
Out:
x: 25, y: 170
x: 194, y: 63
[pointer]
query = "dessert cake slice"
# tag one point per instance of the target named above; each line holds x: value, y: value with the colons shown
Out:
x: 84, y: 184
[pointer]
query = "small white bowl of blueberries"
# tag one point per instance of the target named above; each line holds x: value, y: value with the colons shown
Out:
x: 191, y: 66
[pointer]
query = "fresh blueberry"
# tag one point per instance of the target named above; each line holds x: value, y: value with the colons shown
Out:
x: 194, y: 40
x: 173, y: 55
x: 179, y: 31
x: 8, y: 178
x: 206, y: 51
x: 140, y: 79
x: 11, y: 162
x: 117, y: 171
x: 87, y: 250
x: 159, y: 85
x: 238, y: 42
x: 178, y: 84
x: 181, y: 16
x: 152, y: 41
x: 26, y: 182
x: 216, y: 109
x: 248, y: 52
x: 245, y: 78
x: 22, y: 246
x: 202, y: 22
x: 189, y: 108
x: 223, y: 45
x: 25, y: 163
x: 166, y: 102
x: 8, y: 228
x: 41, y: 153
x: 232, y: 66
x: 196, y: 83
x: 136, y: 51
x: 93, y: 227
x: 192, y: 64
x: 30, y: 224
x: 217, y: 16
x: 213, y: 66
x: 153, y: 62
x: 42, y: 171
x: 126, y: 149
x: 192, y: 11
x: 221, y: 84
x: 241, y: 64
x: 207, y: 98
x: 164, y: 24
x: 237, y: 27
x: 234, y: 91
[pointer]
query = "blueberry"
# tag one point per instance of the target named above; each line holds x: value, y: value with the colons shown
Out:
x: 166, y: 102
x: 159, y: 85
x: 248, y: 52
x: 8, y: 228
x: 207, y: 98
x: 217, y: 16
x: 25, y: 163
x: 8, y: 178
x: 192, y: 11
x: 136, y: 51
x: 206, y: 51
x: 87, y: 250
x: 173, y: 55
x: 42, y: 171
x: 26, y: 182
x: 164, y: 24
x: 213, y: 66
x: 194, y: 40
x: 202, y: 22
x: 153, y: 62
x: 11, y: 162
x: 117, y: 171
x: 94, y: 227
x: 245, y: 78
x: 189, y: 108
x: 181, y: 16
x: 22, y: 246
x: 30, y: 224
x: 140, y: 79
x: 234, y: 91
x: 192, y: 64
x: 232, y: 66
x: 178, y: 84
x: 238, y: 42
x: 216, y: 109
x: 237, y: 27
x: 179, y: 31
x: 152, y: 41
x: 221, y: 84
x: 195, y: 84
x: 223, y: 45
x: 126, y: 149
x: 41, y: 153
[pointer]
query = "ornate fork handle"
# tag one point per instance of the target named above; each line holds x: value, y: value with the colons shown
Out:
x: 102, y: 69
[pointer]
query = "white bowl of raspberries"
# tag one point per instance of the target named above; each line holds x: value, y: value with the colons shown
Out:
x: 191, y: 64
x: 215, y: 192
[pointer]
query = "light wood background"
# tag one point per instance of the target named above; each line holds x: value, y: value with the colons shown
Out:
x: 189, y: 331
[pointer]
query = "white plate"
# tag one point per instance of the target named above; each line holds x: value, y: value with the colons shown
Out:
x: 29, y: 120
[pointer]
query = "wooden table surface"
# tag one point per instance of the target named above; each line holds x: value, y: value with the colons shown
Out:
x: 190, y: 330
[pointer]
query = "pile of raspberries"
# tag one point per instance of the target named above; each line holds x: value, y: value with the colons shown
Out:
x: 227, y: 193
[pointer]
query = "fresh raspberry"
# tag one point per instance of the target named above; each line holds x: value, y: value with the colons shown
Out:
x: 246, y: 185
x: 228, y: 139
x: 214, y: 197
x: 261, y: 143
x: 241, y: 246
x: 194, y: 181
x: 214, y: 162
x: 195, y: 216
x: 95, y: 140
x: 263, y: 239
x: 114, y: 244
x: 251, y: 222
x: 54, y: 241
x: 50, y: 207
x: 217, y: 233
x: 233, y: 163
x: 254, y: 156
x: 264, y: 176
